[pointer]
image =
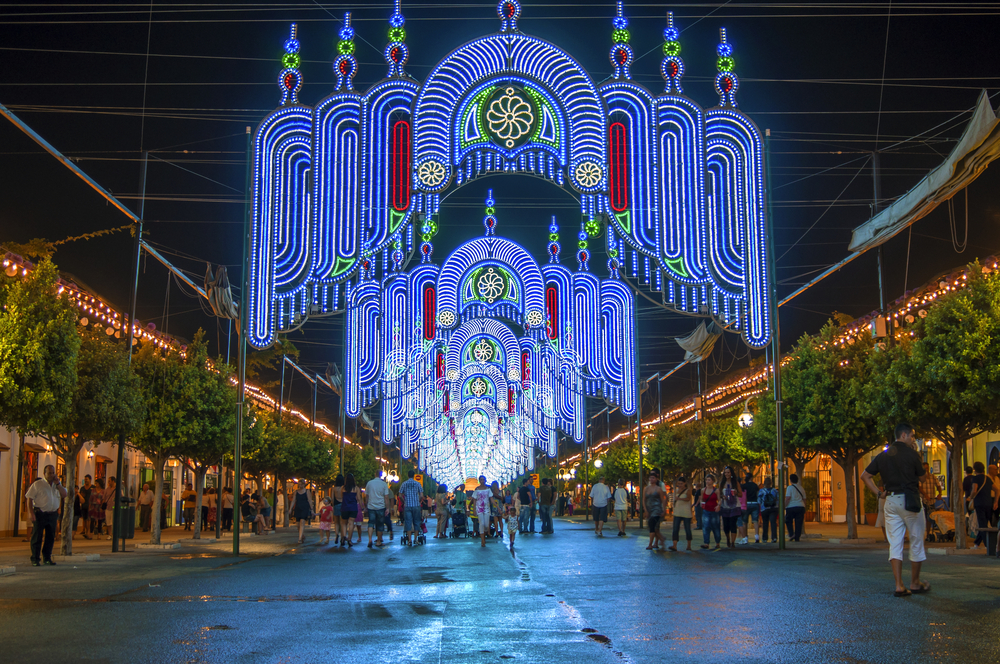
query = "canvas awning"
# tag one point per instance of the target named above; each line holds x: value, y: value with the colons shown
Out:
x: 4, y: 448
x: 979, y: 145
x: 33, y: 447
x: 102, y: 459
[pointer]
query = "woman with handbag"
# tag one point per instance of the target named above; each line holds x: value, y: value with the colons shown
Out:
x: 795, y: 508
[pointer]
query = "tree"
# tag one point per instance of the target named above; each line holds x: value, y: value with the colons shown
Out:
x: 675, y: 448
x: 826, y: 384
x: 38, y: 354
x: 946, y: 381
x: 361, y: 462
x: 171, y: 386
x: 762, y: 435
x: 214, y: 413
x: 105, y: 404
x: 720, y: 443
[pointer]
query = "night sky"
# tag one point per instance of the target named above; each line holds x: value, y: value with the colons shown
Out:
x: 812, y: 73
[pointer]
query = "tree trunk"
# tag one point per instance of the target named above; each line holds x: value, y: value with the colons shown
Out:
x: 159, y: 462
x: 66, y: 547
x: 957, y: 494
x: 850, y: 461
x: 199, y: 488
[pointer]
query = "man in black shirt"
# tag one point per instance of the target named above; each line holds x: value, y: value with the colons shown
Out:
x: 900, y: 468
x: 981, y: 500
x: 752, y: 513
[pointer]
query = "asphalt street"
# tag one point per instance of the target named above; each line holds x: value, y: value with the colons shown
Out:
x: 568, y: 597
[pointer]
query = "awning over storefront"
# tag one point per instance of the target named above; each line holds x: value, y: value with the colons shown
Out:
x: 102, y: 459
x: 33, y: 447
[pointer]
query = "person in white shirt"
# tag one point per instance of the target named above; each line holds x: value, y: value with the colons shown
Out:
x: 599, y: 496
x: 44, y: 497
x: 621, y: 507
x: 375, y: 493
x: 145, y: 507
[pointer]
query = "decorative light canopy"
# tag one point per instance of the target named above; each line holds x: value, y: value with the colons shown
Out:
x: 344, y: 189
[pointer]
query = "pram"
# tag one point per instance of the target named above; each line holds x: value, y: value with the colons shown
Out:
x: 942, y: 526
x: 458, y: 527
x: 419, y: 538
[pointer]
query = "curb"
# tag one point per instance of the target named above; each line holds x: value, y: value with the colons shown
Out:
x: 858, y: 540
x: 78, y: 558
x: 158, y: 547
x: 203, y: 540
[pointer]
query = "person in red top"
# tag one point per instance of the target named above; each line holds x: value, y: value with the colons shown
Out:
x: 710, y: 512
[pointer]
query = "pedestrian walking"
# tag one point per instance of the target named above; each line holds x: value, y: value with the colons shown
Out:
x: 481, y: 499
x: 599, y: 495
x: 412, y: 492
x: 980, y: 501
x: 375, y: 494
x: 729, y: 507
x: 188, y: 498
x: 795, y: 508
x: 767, y: 497
x: 85, y: 491
x: 994, y: 473
x: 930, y: 491
x: 532, y: 507
x: 97, y: 507
x: 212, y: 502
x: 227, y: 508
x: 348, y: 510
x: 682, y: 513
x: 696, y: 501
x: 569, y: 504
x: 621, y: 507
x: 513, y: 523
x: 546, y: 496
x: 524, y: 502
x: 44, y: 498
x: 302, y: 508
x: 325, y: 521
x: 654, y: 500
x: 338, y: 499
x: 710, y: 513
x: 145, y: 508
x: 900, y: 469
x: 751, y: 510
x: 441, y: 511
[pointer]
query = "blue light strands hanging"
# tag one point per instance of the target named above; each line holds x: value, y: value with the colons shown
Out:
x: 621, y: 53
x: 672, y: 66
x: 726, y: 81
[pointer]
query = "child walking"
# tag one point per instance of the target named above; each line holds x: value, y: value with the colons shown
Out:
x: 325, y: 521
x: 511, y: 519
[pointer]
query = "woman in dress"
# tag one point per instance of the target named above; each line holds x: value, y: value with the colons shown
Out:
x: 348, y: 510
x: 730, y: 494
x: 441, y: 510
x: 302, y: 508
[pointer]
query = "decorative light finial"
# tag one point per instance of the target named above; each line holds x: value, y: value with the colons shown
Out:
x: 612, y: 253
x: 582, y: 255
x: 490, y: 221
x: 346, y: 65
x: 672, y: 67
x: 427, y: 231
x: 396, y: 54
x: 290, y: 78
x: 553, y: 241
x: 509, y: 11
x: 621, y: 53
x: 726, y: 81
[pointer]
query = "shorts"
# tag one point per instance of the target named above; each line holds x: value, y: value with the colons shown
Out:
x: 266, y: 512
x: 750, y: 515
x: 621, y: 515
x: 654, y: 523
x: 336, y: 509
x: 411, y: 519
x: 601, y: 513
x: 899, y: 522
x: 376, y: 519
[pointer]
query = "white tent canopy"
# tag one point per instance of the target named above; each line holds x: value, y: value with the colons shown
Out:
x: 979, y: 145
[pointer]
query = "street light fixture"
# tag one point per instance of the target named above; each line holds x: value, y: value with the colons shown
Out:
x: 598, y: 463
x: 746, y: 417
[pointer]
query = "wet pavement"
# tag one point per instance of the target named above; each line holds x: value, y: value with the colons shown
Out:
x: 568, y: 597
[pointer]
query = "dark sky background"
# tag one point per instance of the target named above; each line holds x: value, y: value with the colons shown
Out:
x: 105, y: 81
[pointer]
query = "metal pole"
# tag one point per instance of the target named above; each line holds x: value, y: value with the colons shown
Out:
x: 281, y: 390
x: 776, y: 350
x: 118, y: 531
x: 315, y: 389
x: 638, y: 422
x: 219, y: 484
x: 241, y: 359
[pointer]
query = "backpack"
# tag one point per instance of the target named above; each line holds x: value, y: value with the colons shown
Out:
x: 770, y: 498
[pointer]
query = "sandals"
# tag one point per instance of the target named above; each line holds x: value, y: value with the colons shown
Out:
x: 672, y: 548
x: 902, y: 593
x: 925, y: 587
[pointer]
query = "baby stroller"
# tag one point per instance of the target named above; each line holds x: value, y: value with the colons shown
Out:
x: 942, y: 526
x: 419, y: 538
x: 459, y: 528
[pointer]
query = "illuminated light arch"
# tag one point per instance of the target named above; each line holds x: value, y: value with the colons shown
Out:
x: 475, y: 328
